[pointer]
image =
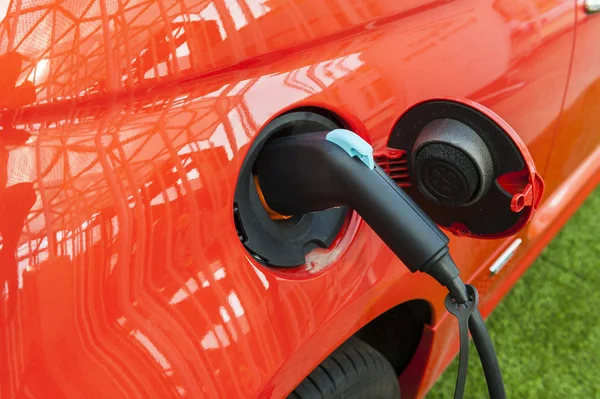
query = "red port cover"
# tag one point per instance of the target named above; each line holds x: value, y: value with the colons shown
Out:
x: 508, y: 187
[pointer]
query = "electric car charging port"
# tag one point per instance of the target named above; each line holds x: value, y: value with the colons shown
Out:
x: 284, y: 240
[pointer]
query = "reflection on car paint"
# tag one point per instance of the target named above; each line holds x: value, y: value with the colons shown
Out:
x: 131, y: 280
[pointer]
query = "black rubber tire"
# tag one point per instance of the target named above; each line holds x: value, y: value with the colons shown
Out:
x: 353, y: 371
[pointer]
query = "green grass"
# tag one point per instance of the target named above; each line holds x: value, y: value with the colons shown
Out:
x: 547, y: 329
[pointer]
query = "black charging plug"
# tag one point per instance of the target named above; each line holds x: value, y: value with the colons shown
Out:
x: 308, y: 173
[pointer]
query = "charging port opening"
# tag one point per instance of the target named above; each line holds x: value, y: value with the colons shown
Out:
x: 284, y: 240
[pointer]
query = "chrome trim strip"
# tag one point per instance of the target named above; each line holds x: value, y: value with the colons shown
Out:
x: 591, y: 6
x: 505, y: 257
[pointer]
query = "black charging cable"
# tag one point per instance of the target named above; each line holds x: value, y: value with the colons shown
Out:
x: 316, y: 171
x: 469, y: 319
x: 462, y: 312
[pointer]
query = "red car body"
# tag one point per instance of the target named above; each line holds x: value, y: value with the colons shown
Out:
x: 124, y: 126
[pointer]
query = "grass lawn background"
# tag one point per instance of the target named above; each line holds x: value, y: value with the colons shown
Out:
x: 546, y: 331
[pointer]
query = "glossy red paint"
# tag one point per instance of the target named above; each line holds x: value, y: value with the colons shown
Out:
x: 124, y: 125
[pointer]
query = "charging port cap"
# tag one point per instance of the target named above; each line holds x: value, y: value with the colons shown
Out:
x: 469, y: 170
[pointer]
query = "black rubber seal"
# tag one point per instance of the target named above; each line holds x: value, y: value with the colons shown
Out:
x: 283, y: 243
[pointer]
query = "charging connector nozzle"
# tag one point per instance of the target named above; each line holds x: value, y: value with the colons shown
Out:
x: 311, y: 172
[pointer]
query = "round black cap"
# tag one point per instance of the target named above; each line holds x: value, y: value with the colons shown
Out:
x: 445, y: 174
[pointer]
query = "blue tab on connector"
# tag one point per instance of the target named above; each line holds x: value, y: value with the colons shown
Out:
x: 353, y: 144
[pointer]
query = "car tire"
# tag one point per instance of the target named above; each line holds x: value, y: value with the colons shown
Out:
x: 353, y: 371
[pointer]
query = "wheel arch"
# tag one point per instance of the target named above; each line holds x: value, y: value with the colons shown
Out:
x: 397, y: 332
